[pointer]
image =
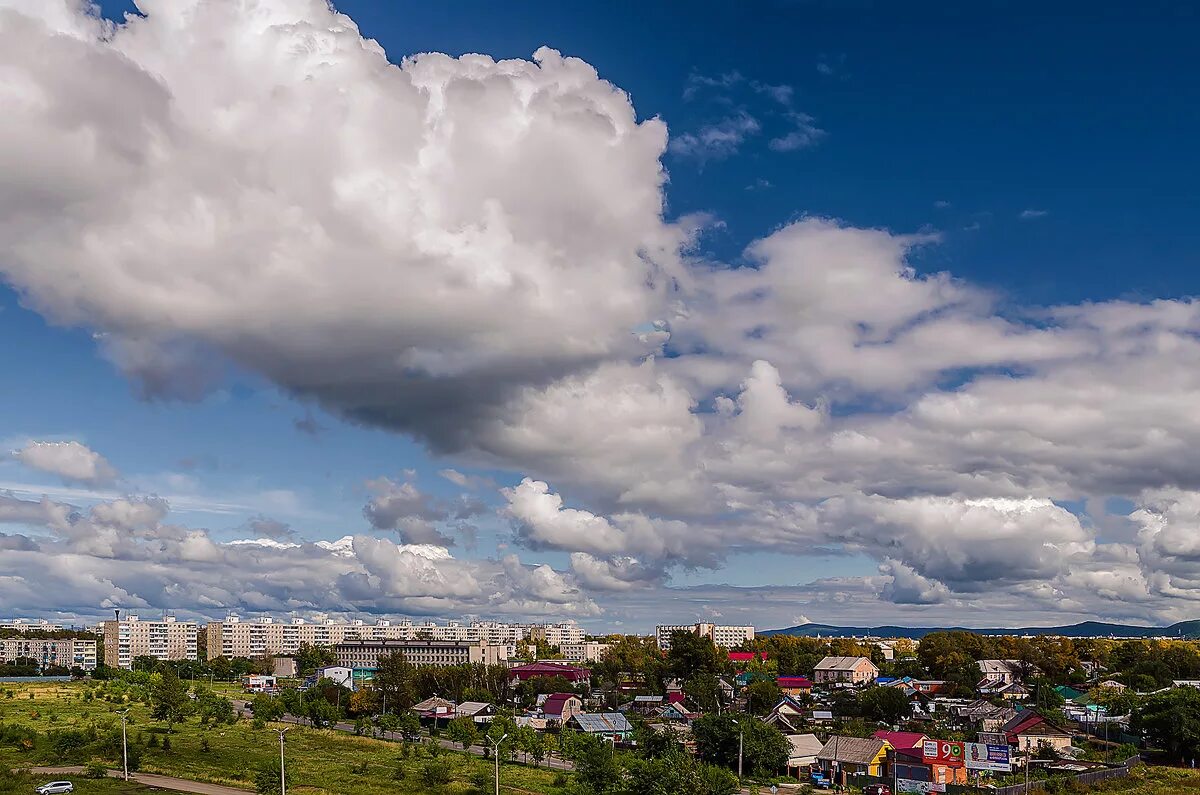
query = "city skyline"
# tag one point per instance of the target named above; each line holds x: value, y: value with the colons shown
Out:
x: 370, y: 312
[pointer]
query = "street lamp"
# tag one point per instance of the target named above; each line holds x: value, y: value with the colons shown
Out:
x: 282, y: 775
x: 124, y: 744
x: 741, y: 743
x: 496, y: 747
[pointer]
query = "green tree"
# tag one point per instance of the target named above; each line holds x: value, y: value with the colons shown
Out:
x: 395, y: 679
x: 168, y: 698
x: 765, y: 749
x: 596, y: 768
x: 761, y: 696
x: 886, y: 704
x: 1171, y: 721
x: 309, y: 658
x: 266, y: 707
x: 463, y: 731
x: 691, y: 655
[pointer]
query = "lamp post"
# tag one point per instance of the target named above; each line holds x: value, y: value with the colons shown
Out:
x: 741, y: 744
x: 124, y: 743
x: 496, y: 749
x: 282, y: 774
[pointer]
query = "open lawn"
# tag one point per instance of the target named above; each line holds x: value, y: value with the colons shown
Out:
x: 1153, y: 781
x: 318, y: 761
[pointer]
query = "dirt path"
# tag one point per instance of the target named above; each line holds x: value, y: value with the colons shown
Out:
x: 150, y: 780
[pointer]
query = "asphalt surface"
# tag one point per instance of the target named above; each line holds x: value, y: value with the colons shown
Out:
x: 150, y: 780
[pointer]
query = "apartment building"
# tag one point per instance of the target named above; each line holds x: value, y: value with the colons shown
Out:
x: 588, y: 651
x: 724, y: 636
x: 24, y: 625
x: 442, y: 653
x: 131, y: 637
x: 234, y: 637
x: 62, y: 652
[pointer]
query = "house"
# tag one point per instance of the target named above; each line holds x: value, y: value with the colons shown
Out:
x: 726, y: 688
x: 479, y: 711
x: 855, y: 670
x: 1006, y: 671
x: 606, y: 725
x: 1114, y: 685
x: 434, y: 710
x: 842, y: 757
x: 258, y: 683
x: 744, y: 657
x: 559, y: 707
x: 645, y: 705
x: 983, y: 716
x: 338, y: 674
x: 677, y: 712
x: 794, y: 685
x: 1029, y: 730
x: 1010, y: 691
x: 572, y: 673
x: 934, y: 761
x: 802, y: 754
x: 789, y: 716
x: 901, y: 741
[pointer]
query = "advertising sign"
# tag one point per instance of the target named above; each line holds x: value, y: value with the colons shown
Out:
x: 943, y: 752
x: 911, y: 785
x: 988, y: 757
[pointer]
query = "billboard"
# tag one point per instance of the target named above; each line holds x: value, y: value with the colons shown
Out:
x: 943, y: 752
x: 911, y: 785
x: 980, y: 756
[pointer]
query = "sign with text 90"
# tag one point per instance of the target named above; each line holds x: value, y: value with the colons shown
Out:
x: 943, y: 752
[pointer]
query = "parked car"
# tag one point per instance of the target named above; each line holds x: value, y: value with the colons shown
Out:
x: 55, y: 787
x: 877, y: 789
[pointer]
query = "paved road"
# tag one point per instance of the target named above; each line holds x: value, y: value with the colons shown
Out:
x: 549, y: 762
x: 150, y: 780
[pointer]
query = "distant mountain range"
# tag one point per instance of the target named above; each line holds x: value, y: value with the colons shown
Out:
x: 1085, y: 629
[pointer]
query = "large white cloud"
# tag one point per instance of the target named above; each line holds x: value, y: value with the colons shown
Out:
x: 71, y: 461
x: 475, y: 252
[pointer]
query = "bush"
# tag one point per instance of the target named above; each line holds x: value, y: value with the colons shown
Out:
x: 434, y: 774
x: 204, y: 746
x: 561, y: 780
x: 152, y: 742
x: 95, y: 769
x: 166, y: 745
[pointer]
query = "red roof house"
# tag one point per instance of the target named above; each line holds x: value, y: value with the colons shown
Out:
x: 746, y: 656
x: 572, y: 673
x: 901, y: 741
x: 561, y: 706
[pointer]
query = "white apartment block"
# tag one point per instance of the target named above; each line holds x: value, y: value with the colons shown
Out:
x: 63, y: 652
x: 234, y: 637
x: 726, y: 637
x: 366, y: 653
x: 25, y: 625
x: 588, y: 651
x: 130, y: 637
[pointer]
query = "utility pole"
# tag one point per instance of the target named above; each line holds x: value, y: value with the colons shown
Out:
x: 124, y: 743
x: 282, y: 774
x: 496, y: 748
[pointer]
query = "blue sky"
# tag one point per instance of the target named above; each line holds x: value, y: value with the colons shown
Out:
x: 1050, y: 152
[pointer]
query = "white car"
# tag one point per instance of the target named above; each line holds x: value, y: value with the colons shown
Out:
x: 55, y: 787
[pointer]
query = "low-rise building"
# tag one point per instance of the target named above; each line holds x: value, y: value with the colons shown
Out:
x: 802, y: 754
x: 794, y: 685
x: 129, y: 638
x: 478, y: 711
x: 546, y: 668
x: 842, y: 757
x: 559, y: 707
x: 1030, y: 729
x: 441, y: 653
x: 607, y: 725
x: 852, y: 670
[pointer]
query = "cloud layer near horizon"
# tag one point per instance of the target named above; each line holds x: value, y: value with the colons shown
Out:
x: 476, y: 253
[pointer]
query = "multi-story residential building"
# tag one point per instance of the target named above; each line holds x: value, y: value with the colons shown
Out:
x: 128, y: 638
x: 234, y: 637
x: 61, y: 652
x: 854, y: 670
x: 366, y: 653
x: 588, y: 651
x: 25, y: 625
x: 725, y: 636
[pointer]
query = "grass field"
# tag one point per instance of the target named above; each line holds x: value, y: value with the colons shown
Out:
x: 318, y: 761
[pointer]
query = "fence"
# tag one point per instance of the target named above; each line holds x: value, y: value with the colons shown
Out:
x: 1090, y: 777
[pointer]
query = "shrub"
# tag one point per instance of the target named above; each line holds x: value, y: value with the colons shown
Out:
x: 434, y: 774
x: 95, y: 769
x: 152, y: 742
x: 166, y: 745
x: 204, y: 746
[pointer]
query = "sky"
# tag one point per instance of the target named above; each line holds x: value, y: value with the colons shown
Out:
x: 771, y: 313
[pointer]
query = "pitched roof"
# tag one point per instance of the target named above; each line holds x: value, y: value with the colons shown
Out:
x: 1024, y: 722
x: 900, y: 740
x: 554, y: 703
x: 793, y: 681
x: 602, y: 722
x: 854, y: 750
x: 431, y: 703
x: 841, y: 663
x: 804, y: 745
x: 471, y: 707
x: 746, y: 656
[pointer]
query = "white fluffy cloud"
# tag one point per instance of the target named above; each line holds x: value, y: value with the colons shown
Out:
x: 71, y: 461
x: 475, y: 252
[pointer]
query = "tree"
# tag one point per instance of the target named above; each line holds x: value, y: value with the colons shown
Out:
x: 765, y: 749
x: 761, y: 696
x: 691, y: 655
x: 266, y: 707
x: 885, y: 704
x: 266, y: 780
x: 395, y: 679
x: 168, y: 698
x: 409, y: 726
x: 1171, y: 721
x: 596, y: 768
x: 320, y: 712
x: 463, y: 731
x: 309, y: 658
x: 704, y: 692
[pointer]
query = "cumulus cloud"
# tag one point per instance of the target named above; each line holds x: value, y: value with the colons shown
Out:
x: 474, y: 252
x: 71, y: 461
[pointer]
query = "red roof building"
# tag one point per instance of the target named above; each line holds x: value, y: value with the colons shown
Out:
x: 561, y: 706
x: 794, y: 685
x: 746, y: 656
x: 572, y: 673
x: 902, y: 741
